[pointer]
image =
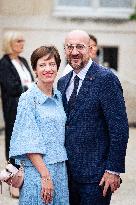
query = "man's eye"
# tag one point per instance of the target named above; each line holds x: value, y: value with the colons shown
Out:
x: 70, y: 47
x: 80, y: 47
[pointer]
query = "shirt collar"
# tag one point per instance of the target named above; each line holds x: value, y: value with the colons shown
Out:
x: 41, y: 97
x: 83, y: 72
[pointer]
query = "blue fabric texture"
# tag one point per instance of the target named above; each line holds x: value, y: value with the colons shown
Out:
x: 39, y: 128
x: 30, y: 192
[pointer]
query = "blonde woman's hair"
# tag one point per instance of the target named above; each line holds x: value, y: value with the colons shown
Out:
x: 9, y: 37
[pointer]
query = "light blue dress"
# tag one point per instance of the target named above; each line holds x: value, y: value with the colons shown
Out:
x: 40, y: 128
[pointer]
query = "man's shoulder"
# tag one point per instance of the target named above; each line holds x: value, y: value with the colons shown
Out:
x: 65, y: 77
x: 104, y: 72
x: 62, y: 78
x: 108, y: 74
x: 62, y: 82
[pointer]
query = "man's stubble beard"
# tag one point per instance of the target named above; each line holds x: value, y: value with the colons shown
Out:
x: 79, y: 67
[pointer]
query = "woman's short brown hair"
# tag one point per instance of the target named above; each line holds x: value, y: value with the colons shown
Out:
x: 44, y: 51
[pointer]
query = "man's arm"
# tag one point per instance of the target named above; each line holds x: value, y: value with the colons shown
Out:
x: 114, y: 110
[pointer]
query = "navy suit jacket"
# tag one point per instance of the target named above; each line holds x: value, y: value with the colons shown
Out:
x: 97, y: 130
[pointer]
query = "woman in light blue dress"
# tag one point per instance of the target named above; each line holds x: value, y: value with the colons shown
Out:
x: 38, y: 135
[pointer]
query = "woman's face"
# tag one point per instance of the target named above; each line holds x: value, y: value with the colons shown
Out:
x: 17, y: 45
x: 46, y: 70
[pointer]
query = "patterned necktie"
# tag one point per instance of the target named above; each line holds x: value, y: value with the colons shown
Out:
x: 72, y: 100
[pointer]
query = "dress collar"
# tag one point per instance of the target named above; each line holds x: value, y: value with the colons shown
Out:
x: 42, y: 97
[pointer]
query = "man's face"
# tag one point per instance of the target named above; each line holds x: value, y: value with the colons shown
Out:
x: 77, y: 50
x: 93, y: 49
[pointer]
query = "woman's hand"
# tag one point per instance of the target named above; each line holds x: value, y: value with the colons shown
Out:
x: 47, y: 189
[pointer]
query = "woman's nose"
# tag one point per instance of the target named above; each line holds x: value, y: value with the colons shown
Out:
x: 47, y: 68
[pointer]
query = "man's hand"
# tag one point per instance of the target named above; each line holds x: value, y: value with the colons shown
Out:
x: 111, y: 181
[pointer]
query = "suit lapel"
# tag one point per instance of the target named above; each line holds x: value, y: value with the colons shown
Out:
x: 84, y: 91
x: 27, y: 67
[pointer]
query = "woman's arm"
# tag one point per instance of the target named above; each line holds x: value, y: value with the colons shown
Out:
x: 37, y: 161
x: 47, y: 184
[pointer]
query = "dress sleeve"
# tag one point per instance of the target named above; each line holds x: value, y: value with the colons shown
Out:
x: 26, y: 135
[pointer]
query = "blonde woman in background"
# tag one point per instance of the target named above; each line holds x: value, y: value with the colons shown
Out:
x: 15, y: 78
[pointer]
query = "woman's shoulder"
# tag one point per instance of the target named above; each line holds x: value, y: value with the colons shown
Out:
x: 29, y: 95
x: 5, y: 60
x: 58, y: 94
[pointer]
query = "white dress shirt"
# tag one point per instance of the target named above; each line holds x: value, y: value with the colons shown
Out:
x: 23, y: 73
x: 81, y: 75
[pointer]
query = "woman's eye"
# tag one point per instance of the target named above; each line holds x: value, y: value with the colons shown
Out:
x: 42, y: 65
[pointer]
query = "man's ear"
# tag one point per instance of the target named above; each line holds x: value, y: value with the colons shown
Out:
x: 90, y: 49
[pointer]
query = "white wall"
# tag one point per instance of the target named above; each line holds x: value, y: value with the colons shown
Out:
x: 40, y: 27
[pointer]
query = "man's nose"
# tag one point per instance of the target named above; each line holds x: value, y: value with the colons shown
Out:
x: 75, y: 50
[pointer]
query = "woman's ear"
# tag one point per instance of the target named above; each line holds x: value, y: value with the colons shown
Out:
x: 35, y: 73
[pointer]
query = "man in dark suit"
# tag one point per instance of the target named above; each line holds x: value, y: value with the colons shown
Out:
x: 97, y: 125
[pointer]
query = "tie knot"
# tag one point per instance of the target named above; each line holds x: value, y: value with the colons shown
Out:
x: 72, y: 100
